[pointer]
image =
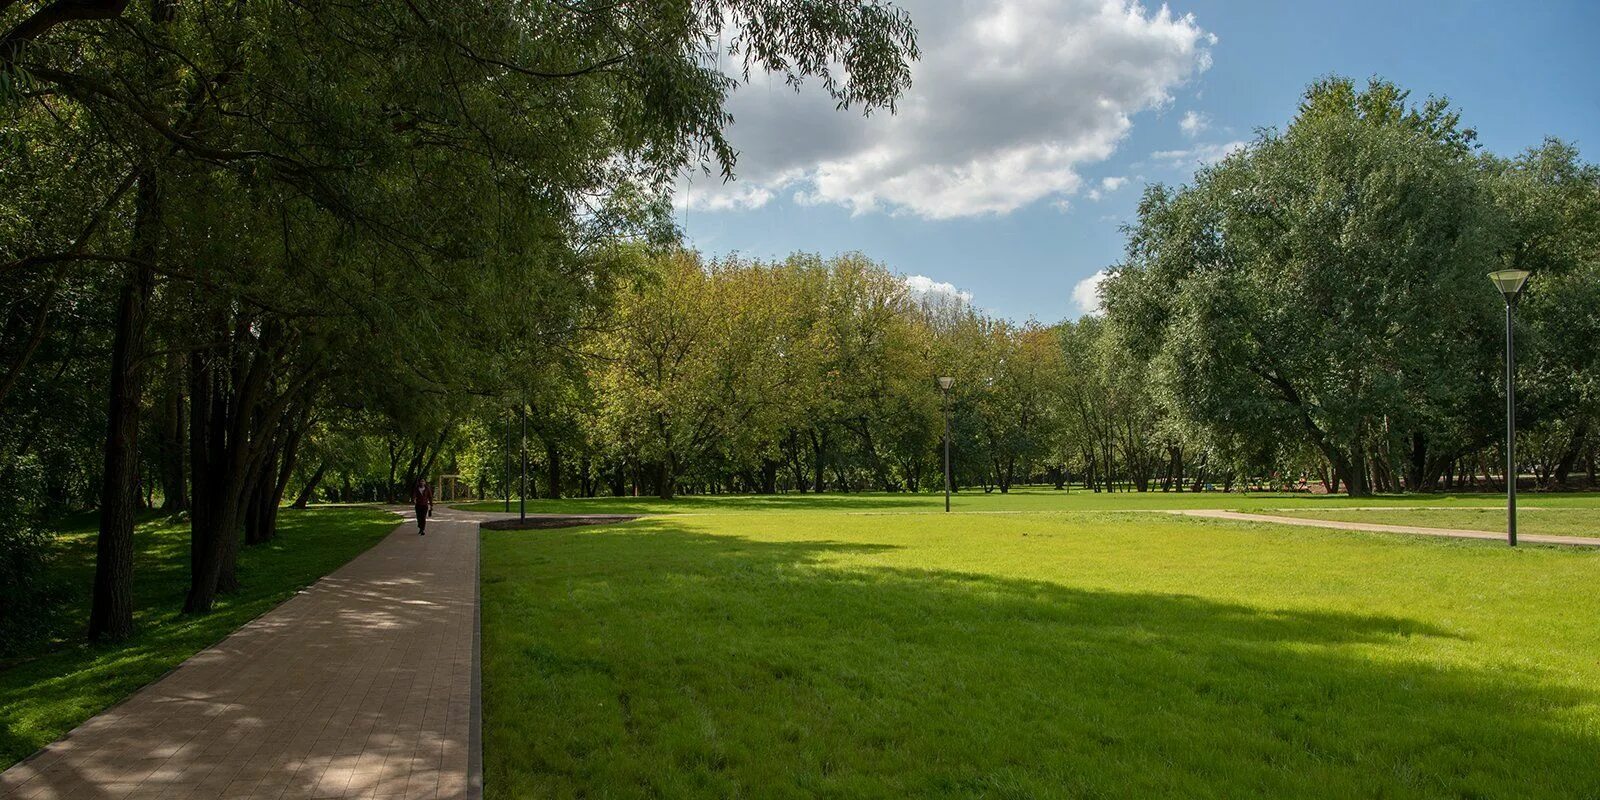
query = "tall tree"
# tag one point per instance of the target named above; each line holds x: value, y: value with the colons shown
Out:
x: 1314, y: 284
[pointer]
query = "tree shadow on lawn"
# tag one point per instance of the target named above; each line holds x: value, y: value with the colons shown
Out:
x: 730, y: 503
x: 646, y: 660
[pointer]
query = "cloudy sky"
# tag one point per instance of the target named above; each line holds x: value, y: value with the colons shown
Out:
x: 1033, y: 125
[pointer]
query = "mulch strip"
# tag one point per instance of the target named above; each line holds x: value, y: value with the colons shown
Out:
x: 555, y: 521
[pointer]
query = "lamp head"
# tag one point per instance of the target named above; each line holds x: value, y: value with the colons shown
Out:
x: 946, y: 382
x: 1509, y: 282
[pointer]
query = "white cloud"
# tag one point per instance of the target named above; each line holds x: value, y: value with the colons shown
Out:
x: 1193, y: 123
x: 1010, y: 99
x: 1107, y: 186
x: 928, y: 289
x: 1086, y: 294
x: 1199, y: 155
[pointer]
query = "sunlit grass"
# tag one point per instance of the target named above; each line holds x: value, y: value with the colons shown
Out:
x: 64, y: 682
x: 1531, y: 519
x: 814, y: 654
x: 1026, y: 499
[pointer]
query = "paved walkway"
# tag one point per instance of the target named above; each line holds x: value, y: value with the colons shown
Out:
x: 1456, y: 533
x: 362, y: 686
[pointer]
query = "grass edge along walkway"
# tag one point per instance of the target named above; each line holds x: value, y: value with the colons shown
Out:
x: 359, y: 686
x: 52, y: 690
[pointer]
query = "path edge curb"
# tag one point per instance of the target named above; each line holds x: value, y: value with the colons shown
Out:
x: 475, y: 712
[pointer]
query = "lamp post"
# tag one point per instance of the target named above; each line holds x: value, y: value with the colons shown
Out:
x: 1510, y: 283
x: 944, y: 390
x: 522, y: 486
x: 505, y: 477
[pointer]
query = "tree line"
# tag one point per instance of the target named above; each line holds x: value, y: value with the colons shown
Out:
x: 315, y: 252
x: 1311, y: 312
x: 227, y: 228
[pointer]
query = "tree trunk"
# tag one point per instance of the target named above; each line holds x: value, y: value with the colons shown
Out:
x: 229, y: 428
x: 819, y: 445
x: 310, y: 489
x: 664, y: 479
x: 1569, y: 456
x: 170, y: 445
x: 209, y: 515
x: 1356, y: 480
x: 552, y: 455
x: 111, y: 603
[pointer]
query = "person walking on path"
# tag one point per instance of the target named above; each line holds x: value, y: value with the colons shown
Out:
x: 422, y: 498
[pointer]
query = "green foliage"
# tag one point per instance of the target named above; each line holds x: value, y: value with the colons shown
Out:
x: 1325, y: 285
x: 26, y: 591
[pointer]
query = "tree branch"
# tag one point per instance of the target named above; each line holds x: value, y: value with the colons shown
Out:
x: 42, y: 21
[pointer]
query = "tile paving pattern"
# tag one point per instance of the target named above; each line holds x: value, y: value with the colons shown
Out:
x: 361, y: 686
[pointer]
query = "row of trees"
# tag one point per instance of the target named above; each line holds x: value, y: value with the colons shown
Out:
x: 231, y: 230
x: 1313, y: 307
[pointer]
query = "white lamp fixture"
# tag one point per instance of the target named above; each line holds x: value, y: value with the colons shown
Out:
x: 946, y: 383
x: 1509, y: 282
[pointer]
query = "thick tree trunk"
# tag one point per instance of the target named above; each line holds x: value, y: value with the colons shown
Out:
x: 819, y: 446
x: 111, y: 603
x: 229, y: 425
x: 270, y: 484
x: 665, y: 480
x: 1569, y: 456
x: 552, y: 456
x: 768, y: 477
x: 209, y: 515
x: 310, y: 489
x: 1352, y: 468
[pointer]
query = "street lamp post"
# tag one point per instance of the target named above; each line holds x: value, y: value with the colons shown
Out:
x: 944, y: 390
x: 1510, y: 283
x: 505, y: 477
x: 522, y: 486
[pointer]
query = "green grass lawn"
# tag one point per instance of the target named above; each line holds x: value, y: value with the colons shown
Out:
x: 1535, y: 519
x: 63, y: 682
x: 818, y: 653
x: 1025, y: 499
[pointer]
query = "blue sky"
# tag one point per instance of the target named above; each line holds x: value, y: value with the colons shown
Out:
x: 1033, y: 124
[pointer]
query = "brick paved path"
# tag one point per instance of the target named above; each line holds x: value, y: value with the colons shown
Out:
x: 1454, y: 533
x: 363, y: 686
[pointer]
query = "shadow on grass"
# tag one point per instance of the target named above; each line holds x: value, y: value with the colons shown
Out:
x: 723, y: 503
x: 649, y: 660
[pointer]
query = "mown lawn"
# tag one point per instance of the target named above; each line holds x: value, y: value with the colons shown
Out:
x: 1077, y: 654
x: 1535, y: 519
x: 1025, y: 499
x: 62, y: 681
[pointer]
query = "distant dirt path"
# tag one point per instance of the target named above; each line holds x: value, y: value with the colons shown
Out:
x: 1454, y: 533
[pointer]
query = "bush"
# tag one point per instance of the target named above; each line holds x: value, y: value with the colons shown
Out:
x: 26, y: 594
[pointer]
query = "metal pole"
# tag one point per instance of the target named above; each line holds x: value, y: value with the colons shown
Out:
x: 505, y: 478
x: 522, y: 490
x: 947, y: 451
x: 1511, y: 428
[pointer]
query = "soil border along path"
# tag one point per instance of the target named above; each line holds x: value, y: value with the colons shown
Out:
x: 501, y: 522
